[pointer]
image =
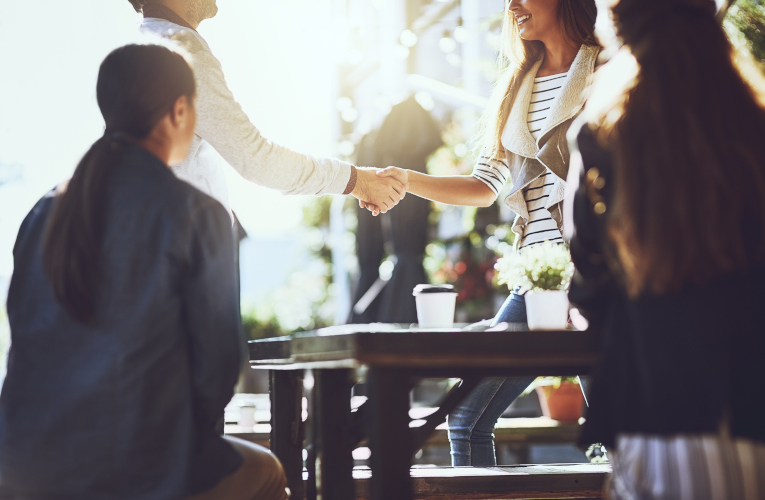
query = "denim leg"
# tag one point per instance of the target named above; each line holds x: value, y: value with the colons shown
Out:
x: 512, y: 311
x: 471, y: 424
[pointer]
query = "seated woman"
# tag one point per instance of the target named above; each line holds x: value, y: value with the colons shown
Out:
x: 669, y: 245
x: 125, y: 327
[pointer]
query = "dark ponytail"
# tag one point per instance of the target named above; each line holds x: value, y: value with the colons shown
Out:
x: 137, y: 86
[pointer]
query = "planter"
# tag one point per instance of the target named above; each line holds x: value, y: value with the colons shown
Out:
x: 547, y: 310
x: 561, y: 403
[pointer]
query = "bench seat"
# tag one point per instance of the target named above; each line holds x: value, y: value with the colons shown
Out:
x: 539, y: 430
x: 519, y: 482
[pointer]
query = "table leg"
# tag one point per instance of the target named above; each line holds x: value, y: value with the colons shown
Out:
x: 310, y: 440
x: 389, y: 434
x: 331, y: 430
x: 286, y: 389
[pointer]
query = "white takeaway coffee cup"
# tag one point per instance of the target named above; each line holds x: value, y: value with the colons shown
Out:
x: 435, y: 305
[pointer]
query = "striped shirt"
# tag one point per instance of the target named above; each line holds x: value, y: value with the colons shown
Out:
x: 702, y: 467
x: 546, y: 90
x: 540, y: 225
x: 492, y: 172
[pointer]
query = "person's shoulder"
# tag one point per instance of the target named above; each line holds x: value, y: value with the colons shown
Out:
x: 193, y: 203
x: 147, y: 181
x: 37, y: 218
x: 44, y: 205
x: 186, y: 209
x: 185, y: 38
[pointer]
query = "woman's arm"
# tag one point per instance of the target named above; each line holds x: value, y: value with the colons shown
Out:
x: 464, y: 190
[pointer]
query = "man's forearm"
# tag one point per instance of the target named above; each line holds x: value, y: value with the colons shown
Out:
x: 224, y: 125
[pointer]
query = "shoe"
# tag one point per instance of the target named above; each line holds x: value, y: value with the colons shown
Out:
x: 597, y: 454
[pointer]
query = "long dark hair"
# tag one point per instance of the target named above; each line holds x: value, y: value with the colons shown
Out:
x: 517, y: 56
x: 137, y: 86
x: 689, y: 143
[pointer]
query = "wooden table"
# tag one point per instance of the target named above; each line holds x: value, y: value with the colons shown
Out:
x: 324, y: 363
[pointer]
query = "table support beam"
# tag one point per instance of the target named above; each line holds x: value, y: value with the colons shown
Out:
x: 449, y: 402
x: 389, y: 434
x: 286, y: 389
x: 330, y: 420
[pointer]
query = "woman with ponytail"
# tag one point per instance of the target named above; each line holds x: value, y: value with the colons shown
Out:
x: 125, y: 329
x: 669, y: 244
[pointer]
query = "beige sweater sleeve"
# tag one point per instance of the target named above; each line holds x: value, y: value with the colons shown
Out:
x: 225, y: 126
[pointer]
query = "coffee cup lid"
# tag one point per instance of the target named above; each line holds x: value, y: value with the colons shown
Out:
x: 419, y: 289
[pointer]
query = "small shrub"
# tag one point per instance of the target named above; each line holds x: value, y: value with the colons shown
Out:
x: 546, y: 266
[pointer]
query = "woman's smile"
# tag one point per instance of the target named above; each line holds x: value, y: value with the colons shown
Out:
x: 523, y: 19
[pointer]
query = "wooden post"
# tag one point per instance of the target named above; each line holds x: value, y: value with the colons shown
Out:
x: 286, y: 390
x: 331, y: 431
x: 389, y: 434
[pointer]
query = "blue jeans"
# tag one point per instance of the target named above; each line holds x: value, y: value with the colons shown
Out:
x: 471, y: 424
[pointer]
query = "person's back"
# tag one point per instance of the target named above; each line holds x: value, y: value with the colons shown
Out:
x: 126, y: 337
x: 108, y: 406
x: 669, y: 246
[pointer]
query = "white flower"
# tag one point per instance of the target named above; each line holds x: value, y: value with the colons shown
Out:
x: 546, y: 266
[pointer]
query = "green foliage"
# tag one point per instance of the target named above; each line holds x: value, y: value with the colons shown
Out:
x: 748, y: 18
x: 546, y: 266
x: 257, y: 327
x: 553, y: 382
x: 305, y: 302
x: 316, y: 212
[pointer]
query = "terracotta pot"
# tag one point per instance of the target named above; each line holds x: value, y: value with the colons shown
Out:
x: 564, y: 403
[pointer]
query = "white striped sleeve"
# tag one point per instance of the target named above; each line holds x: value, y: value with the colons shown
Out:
x: 492, y: 172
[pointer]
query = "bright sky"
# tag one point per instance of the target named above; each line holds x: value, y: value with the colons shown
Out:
x: 277, y: 56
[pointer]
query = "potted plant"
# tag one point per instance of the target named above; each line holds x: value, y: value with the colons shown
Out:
x: 560, y: 397
x: 544, y: 273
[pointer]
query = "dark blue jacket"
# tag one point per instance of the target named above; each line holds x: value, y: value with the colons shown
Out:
x: 125, y: 408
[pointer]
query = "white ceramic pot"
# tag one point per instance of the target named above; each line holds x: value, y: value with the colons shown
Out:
x: 547, y: 310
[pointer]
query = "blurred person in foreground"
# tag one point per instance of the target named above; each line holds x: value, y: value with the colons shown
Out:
x: 549, y: 54
x: 126, y: 338
x: 223, y: 127
x: 669, y: 244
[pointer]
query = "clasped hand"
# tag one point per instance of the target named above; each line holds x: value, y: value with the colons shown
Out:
x: 379, y: 190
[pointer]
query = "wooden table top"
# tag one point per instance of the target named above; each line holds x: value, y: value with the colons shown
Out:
x: 382, y: 345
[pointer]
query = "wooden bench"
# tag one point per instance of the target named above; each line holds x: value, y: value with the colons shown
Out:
x: 521, y: 482
x: 509, y: 431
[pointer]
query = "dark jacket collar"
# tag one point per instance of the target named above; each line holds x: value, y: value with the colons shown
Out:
x: 135, y: 158
x: 160, y: 11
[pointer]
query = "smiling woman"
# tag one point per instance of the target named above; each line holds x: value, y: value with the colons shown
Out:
x: 548, y: 55
x: 534, y: 29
